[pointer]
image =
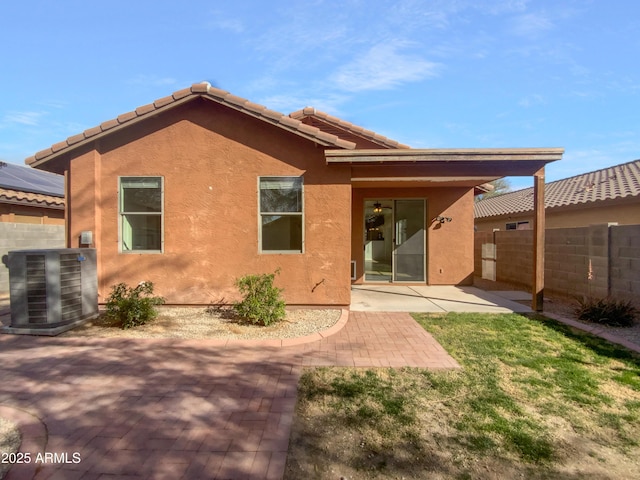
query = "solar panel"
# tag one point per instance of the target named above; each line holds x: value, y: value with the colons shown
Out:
x: 26, y: 179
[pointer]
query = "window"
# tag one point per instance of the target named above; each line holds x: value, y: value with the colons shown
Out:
x: 281, y: 220
x: 517, y: 226
x: 141, y: 214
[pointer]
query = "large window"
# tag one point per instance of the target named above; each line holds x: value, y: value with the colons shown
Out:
x: 141, y: 214
x: 281, y: 215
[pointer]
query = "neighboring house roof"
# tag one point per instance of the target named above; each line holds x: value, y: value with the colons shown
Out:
x: 17, y: 197
x: 341, y: 128
x: 26, y: 186
x: 25, y: 179
x: 610, y: 183
x: 198, y: 90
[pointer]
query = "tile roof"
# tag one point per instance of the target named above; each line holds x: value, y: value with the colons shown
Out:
x: 607, y: 184
x: 342, y: 128
x: 17, y: 197
x: 198, y: 90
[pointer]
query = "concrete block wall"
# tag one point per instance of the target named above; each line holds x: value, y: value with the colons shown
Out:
x: 595, y: 261
x: 625, y: 262
x: 514, y: 260
x: 21, y: 236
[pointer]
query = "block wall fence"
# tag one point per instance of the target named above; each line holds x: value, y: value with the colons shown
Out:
x: 24, y: 236
x: 596, y: 261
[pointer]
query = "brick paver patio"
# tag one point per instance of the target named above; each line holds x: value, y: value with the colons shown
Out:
x: 182, y: 409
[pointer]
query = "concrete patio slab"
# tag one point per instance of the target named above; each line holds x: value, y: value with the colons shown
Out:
x: 423, y: 298
x: 388, y: 298
x: 515, y: 295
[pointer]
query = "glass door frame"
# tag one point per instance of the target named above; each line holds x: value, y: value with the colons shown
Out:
x: 394, y: 245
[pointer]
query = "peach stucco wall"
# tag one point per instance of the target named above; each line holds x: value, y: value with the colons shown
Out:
x: 449, y: 245
x: 210, y: 158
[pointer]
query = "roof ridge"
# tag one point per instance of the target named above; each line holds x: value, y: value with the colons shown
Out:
x: 346, y: 125
x: 616, y: 181
x: 204, y: 90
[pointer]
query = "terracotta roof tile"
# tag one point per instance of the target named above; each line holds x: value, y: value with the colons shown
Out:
x: 610, y: 183
x: 43, y: 153
x: 59, y: 146
x: 92, y: 131
x: 203, y: 90
x: 109, y: 124
x: 338, y: 123
x: 145, y: 109
x: 125, y: 117
x: 185, y: 92
x: 27, y: 198
x: 161, y: 102
x: 75, y: 139
x: 199, y: 87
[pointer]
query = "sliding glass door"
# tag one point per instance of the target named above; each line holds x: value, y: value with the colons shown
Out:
x: 409, y: 242
x: 394, y: 244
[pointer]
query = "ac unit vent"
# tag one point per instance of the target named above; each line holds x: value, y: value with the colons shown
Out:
x: 36, y: 288
x: 70, y: 287
x: 52, y: 290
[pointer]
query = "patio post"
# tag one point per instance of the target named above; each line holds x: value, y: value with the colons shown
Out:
x: 537, y: 294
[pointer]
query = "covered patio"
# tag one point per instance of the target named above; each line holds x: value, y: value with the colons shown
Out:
x: 436, y: 299
x: 418, y: 175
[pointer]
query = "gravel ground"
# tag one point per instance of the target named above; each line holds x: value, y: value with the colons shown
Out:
x: 193, y: 323
x: 9, y: 442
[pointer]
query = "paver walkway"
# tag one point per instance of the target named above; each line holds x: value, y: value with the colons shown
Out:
x: 182, y: 409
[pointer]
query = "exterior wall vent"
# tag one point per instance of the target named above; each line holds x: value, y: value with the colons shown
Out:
x: 52, y: 290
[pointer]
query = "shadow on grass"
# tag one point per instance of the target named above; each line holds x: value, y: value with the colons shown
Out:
x: 596, y: 344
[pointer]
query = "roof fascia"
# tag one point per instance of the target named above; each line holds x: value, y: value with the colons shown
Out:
x: 459, y: 162
x: 179, y: 98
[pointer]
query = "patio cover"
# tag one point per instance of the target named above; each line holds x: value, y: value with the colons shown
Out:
x: 458, y: 167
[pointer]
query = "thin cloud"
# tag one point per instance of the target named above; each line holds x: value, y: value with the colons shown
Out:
x: 531, y: 24
x: 384, y: 67
x: 221, y: 21
x: 31, y: 119
x: 532, y: 100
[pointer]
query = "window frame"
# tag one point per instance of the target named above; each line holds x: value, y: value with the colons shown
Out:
x: 301, y: 214
x: 122, y: 214
x: 509, y: 226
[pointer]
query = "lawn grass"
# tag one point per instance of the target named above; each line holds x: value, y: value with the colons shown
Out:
x: 533, y: 398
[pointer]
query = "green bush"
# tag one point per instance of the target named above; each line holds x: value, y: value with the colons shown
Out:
x: 262, y: 303
x: 131, y: 307
x: 607, y: 311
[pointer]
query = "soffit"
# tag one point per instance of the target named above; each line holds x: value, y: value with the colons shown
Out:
x: 462, y: 164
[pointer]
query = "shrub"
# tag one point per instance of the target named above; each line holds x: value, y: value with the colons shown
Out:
x: 607, y: 311
x: 131, y: 307
x: 262, y: 303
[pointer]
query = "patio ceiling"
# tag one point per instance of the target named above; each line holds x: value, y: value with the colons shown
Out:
x: 444, y: 167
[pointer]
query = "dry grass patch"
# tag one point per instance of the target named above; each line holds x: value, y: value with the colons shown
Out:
x: 533, y: 400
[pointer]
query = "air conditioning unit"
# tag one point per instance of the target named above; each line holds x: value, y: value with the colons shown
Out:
x: 52, y: 290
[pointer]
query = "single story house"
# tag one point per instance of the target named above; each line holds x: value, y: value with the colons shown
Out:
x: 201, y: 187
x: 609, y: 195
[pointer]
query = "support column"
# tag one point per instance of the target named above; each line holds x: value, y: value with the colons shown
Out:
x: 537, y: 294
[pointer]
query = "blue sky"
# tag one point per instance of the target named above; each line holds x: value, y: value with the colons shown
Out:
x: 428, y: 73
